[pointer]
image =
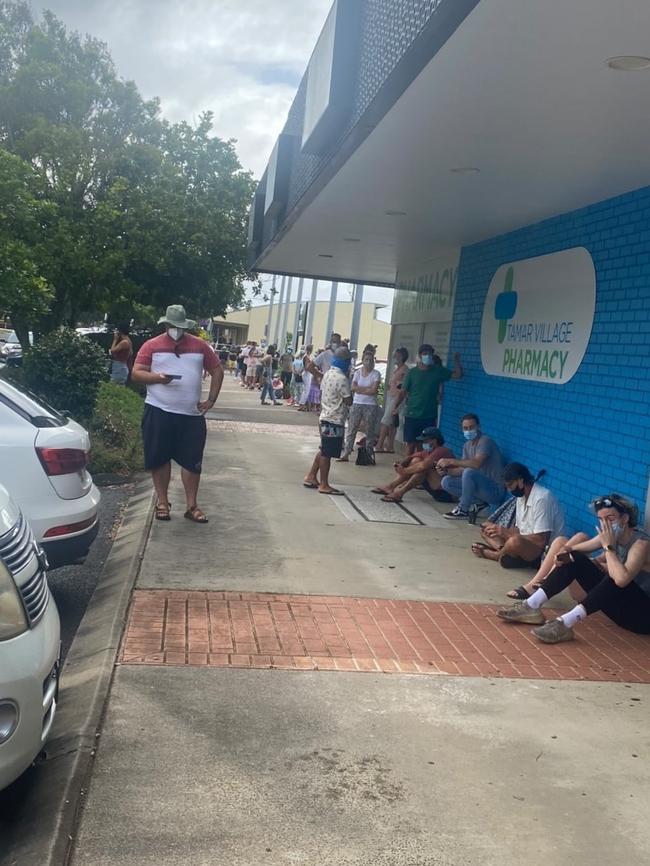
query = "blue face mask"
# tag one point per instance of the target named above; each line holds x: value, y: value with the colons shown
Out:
x: 470, y: 434
x: 341, y: 365
x: 427, y: 360
x: 427, y: 446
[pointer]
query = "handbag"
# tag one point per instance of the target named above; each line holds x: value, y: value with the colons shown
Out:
x: 365, y: 456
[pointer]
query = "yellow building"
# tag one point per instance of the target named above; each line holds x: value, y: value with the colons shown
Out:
x: 238, y: 326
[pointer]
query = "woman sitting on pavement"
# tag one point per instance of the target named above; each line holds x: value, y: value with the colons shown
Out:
x: 616, y: 582
x: 419, y: 469
x: 538, y: 521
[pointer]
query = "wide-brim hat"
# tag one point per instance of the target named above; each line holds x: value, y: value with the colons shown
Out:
x: 176, y: 317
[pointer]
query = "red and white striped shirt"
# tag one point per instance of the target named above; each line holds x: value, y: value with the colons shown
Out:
x: 188, y: 359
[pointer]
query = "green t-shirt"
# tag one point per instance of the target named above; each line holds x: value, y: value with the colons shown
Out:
x: 422, y: 388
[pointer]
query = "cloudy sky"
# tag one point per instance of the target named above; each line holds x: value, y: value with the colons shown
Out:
x: 240, y: 59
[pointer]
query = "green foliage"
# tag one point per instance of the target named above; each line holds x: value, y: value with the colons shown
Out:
x: 115, y: 431
x: 66, y: 370
x: 138, y: 213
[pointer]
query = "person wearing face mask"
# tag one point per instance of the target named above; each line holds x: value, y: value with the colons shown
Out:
x: 336, y: 398
x: 616, y: 582
x: 476, y: 480
x: 388, y: 429
x: 365, y: 387
x: 323, y: 360
x: 538, y: 521
x: 173, y: 424
x: 419, y: 469
x: 421, y: 390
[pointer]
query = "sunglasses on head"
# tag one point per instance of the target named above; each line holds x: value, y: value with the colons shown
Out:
x: 611, y: 501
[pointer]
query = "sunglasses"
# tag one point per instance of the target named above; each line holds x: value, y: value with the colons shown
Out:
x: 610, y: 502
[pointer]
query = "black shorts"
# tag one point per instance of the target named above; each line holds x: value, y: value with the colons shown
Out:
x: 170, y: 436
x: 331, y: 439
x: 413, y: 427
x: 286, y: 377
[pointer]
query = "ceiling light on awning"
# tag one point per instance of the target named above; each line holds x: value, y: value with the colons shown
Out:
x: 465, y: 169
x: 325, y: 256
x: 628, y: 63
x: 395, y: 212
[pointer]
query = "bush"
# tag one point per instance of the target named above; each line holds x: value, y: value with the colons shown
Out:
x: 116, y: 442
x: 66, y: 370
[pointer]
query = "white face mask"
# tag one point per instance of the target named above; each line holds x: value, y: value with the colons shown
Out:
x: 175, y: 333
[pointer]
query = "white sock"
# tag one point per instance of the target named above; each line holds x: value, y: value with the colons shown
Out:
x: 573, y: 616
x: 537, y: 599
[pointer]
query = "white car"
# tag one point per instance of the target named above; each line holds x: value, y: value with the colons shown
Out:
x: 29, y: 645
x: 43, y: 460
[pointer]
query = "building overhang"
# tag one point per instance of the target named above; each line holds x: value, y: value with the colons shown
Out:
x: 517, y: 118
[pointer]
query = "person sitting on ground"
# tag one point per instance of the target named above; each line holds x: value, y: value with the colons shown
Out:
x: 421, y: 388
x: 547, y: 566
x: 476, y: 480
x: 617, y: 582
x: 389, y: 427
x: 278, y: 390
x: 336, y: 398
x: 419, y: 469
x: 538, y: 521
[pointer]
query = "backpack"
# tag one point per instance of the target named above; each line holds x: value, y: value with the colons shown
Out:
x: 365, y: 456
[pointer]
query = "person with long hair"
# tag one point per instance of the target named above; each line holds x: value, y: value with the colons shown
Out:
x: 616, y: 582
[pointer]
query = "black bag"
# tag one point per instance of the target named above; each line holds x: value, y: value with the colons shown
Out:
x: 365, y: 456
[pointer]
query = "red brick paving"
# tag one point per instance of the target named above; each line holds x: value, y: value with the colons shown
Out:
x: 300, y: 632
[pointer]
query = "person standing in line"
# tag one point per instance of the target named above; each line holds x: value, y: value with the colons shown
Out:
x: 173, y: 424
x: 267, y: 376
x: 421, y: 388
x: 323, y: 360
x: 242, y: 362
x: 365, y: 387
x: 251, y: 367
x: 286, y: 371
x: 336, y: 400
x: 389, y: 427
x: 121, y: 353
x: 307, y: 378
x: 296, y: 380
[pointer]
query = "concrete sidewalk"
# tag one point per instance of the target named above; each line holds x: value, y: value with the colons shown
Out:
x: 199, y: 764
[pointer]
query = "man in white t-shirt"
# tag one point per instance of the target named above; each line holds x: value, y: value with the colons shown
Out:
x: 538, y: 521
x: 323, y: 361
x: 365, y: 387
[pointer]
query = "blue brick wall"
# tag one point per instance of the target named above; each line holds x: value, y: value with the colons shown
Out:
x: 593, y: 433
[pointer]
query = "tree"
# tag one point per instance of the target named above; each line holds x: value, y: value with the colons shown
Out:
x: 143, y: 212
x: 24, y: 214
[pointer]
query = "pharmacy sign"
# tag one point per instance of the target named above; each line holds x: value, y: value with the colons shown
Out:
x: 538, y: 316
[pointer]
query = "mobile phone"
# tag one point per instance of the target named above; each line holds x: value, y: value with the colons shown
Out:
x: 172, y: 376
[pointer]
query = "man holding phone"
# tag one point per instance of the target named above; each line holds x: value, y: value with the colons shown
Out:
x: 173, y: 424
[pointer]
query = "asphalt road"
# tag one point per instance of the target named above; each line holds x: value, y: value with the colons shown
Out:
x: 73, y: 585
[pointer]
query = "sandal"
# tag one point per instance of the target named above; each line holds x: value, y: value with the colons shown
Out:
x: 478, y: 549
x: 332, y: 492
x: 162, y: 511
x: 379, y: 491
x: 310, y: 485
x: 389, y: 498
x: 195, y: 515
x: 519, y: 592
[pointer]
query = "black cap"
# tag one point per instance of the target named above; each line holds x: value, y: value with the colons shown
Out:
x: 431, y: 433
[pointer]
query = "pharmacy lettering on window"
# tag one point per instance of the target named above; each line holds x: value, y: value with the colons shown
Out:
x: 538, y: 316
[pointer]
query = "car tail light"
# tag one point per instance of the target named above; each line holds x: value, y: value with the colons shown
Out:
x: 62, y: 461
x: 69, y: 528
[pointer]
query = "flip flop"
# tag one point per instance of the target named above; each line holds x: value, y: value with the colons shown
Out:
x: 391, y: 499
x: 379, y: 491
x: 310, y: 485
x: 332, y: 492
x: 478, y: 549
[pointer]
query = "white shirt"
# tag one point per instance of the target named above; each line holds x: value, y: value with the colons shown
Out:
x: 324, y: 360
x: 541, y: 512
x: 368, y: 381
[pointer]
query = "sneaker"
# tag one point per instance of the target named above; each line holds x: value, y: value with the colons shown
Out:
x: 457, y: 513
x: 553, y: 632
x: 521, y: 611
